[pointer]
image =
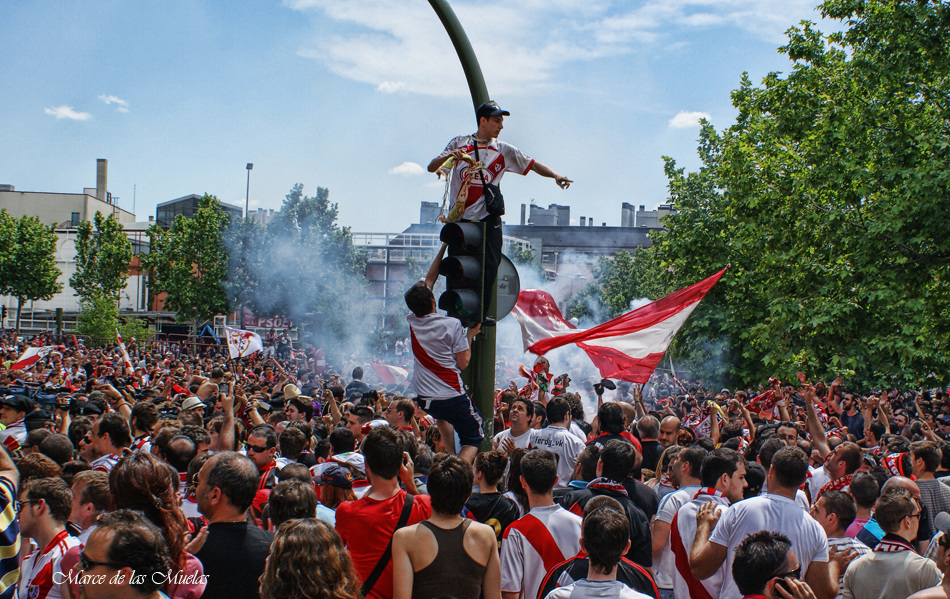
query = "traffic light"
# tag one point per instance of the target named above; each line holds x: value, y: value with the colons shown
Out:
x: 3, y: 313
x: 463, y: 270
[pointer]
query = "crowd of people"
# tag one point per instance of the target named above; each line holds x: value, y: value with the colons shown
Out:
x: 181, y: 475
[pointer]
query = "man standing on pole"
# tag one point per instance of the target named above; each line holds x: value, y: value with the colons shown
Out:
x: 466, y: 183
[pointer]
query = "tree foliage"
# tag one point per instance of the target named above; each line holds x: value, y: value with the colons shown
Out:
x: 99, y: 318
x: 102, y: 258
x: 828, y: 196
x: 189, y: 263
x: 28, y: 268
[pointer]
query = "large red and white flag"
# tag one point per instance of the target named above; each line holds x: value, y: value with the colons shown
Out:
x: 31, y: 356
x: 242, y: 343
x: 126, y: 362
x: 628, y: 347
x: 390, y: 375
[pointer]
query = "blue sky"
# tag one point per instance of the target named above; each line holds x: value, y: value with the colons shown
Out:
x: 355, y: 95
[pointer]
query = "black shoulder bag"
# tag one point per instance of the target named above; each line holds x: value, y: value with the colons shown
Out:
x: 388, y: 554
x: 494, y: 201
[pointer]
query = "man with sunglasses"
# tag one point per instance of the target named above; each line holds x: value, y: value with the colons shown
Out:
x: 42, y: 510
x: 893, y: 569
x: 765, y: 566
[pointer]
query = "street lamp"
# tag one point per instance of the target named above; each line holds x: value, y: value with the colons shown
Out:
x: 247, y: 194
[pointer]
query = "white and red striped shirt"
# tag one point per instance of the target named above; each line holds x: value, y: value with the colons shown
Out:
x: 36, y: 571
x: 106, y: 463
x: 682, y: 532
x: 14, y: 436
x: 435, y: 341
x: 535, y: 543
x: 142, y: 443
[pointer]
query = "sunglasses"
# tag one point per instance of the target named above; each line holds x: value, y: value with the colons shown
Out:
x: 796, y: 573
x: 256, y: 448
x: 87, y: 564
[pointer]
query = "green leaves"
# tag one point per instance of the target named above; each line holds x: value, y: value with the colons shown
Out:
x: 27, y: 260
x: 102, y: 259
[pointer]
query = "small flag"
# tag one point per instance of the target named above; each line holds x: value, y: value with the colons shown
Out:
x: 31, y: 356
x: 242, y: 343
x: 390, y: 375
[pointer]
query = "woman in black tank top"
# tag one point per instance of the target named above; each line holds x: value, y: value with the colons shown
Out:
x: 447, y: 554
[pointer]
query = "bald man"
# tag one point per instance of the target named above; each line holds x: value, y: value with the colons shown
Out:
x: 872, y: 533
x: 669, y: 428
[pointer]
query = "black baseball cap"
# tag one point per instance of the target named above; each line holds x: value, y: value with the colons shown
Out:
x: 490, y: 108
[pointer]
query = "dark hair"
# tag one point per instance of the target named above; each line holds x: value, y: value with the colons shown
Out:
x: 303, y: 406
x: 236, y: 476
x: 419, y: 299
x: 588, y: 461
x: 405, y: 407
x: 529, y: 405
x: 492, y: 465
x: 929, y: 452
x: 577, y: 407
x: 539, y: 470
x: 358, y: 372
x: 382, y: 452
x: 610, y: 418
x: 137, y: 544
x: 142, y: 482
x: 36, y: 465
x: 55, y: 494
x: 558, y: 409
x: 852, y: 456
x: 363, y: 413
x: 618, y: 459
x: 648, y: 427
x: 145, y: 414
x: 265, y: 432
x: 117, y: 428
x: 694, y: 456
x: 892, y: 507
x: 71, y: 469
x: 718, y: 462
x: 841, y: 505
x: 179, y: 452
x: 58, y: 448
x: 755, y: 477
x: 292, y: 499
x: 342, y: 440
x: 790, y: 465
x: 308, y: 559
x: 540, y: 410
x: 878, y: 429
x: 606, y: 534
x: 95, y: 489
x: 864, y: 488
x: 758, y: 559
x: 450, y: 485
x: 768, y: 449
x: 78, y: 429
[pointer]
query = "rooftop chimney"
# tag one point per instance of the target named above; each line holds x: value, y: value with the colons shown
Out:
x: 102, y: 184
x: 583, y: 221
x: 522, y: 214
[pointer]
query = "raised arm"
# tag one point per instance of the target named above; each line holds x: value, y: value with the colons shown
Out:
x: 433, y: 275
x: 546, y: 171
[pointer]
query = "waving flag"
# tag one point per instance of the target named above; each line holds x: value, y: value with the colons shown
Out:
x: 628, y: 347
x: 242, y: 343
x: 390, y: 375
x: 31, y: 356
x: 126, y: 362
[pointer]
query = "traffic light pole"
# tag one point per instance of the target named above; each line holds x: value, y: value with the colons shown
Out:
x: 479, y: 377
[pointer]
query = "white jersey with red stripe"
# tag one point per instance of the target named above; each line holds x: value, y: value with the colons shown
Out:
x: 435, y: 341
x: 665, y: 564
x: 535, y: 543
x: 36, y: 571
x: 14, y: 436
x: 682, y: 532
x: 106, y: 463
x: 142, y: 443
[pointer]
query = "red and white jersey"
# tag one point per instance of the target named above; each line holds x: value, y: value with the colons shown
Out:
x: 106, y: 463
x: 435, y: 341
x: 142, y: 444
x: 665, y: 564
x: 36, y: 571
x: 534, y: 544
x: 682, y: 532
x: 498, y: 158
x: 14, y: 435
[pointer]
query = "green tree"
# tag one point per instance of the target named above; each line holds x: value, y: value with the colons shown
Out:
x: 828, y: 197
x: 28, y: 269
x: 189, y: 263
x: 102, y: 258
x: 99, y: 318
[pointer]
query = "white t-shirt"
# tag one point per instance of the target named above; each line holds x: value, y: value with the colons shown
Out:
x: 435, y: 341
x: 600, y: 589
x: 499, y: 158
x: 818, y: 479
x: 768, y: 512
x: 551, y: 529
x: 562, y: 443
x: 520, y: 440
x: 686, y: 531
x: 664, y: 566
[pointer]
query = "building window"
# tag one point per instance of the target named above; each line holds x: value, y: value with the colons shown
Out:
x: 74, y: 219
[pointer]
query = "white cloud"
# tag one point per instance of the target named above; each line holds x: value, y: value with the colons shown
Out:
x: 120, y: 104
x: 67, y: 112
x: 407, y: 169
x: 398, y: 46
x: 686, y: 119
